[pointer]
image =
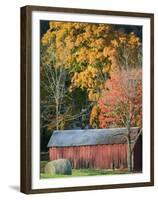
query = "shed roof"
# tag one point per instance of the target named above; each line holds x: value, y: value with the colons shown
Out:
x: 65, y: 138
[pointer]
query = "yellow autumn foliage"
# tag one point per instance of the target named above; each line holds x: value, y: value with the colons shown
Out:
x: 94, y: 122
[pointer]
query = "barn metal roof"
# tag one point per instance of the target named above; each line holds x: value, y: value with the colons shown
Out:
x: 63, y: 138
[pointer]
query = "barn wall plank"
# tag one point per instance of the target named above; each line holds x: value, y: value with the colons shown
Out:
x: 96, y: 156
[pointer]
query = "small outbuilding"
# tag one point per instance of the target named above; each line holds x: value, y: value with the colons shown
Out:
x: 96, y: 148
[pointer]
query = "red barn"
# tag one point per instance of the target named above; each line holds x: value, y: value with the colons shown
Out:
x: 96, y: 148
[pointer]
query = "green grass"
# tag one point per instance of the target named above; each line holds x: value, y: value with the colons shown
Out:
x: 84, y: 172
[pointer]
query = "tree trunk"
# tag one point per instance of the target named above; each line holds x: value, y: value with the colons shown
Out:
x: 57, y: 116
x: 129, y: 153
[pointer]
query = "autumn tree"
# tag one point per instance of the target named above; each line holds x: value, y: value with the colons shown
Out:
x: 125, y: 51
x: 121, y: 104
x: 54, y: 89
x: 83, y: 44
x: 57, y: 104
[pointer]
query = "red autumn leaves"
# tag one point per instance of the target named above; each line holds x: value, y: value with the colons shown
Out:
x: 121, y: 100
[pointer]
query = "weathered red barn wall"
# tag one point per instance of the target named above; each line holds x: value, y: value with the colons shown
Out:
x: 98, y: 156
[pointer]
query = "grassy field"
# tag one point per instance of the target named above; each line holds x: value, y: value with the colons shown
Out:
x: 81, y: 172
